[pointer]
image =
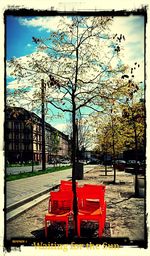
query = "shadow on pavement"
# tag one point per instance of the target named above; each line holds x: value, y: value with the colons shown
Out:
x: 56, y: 231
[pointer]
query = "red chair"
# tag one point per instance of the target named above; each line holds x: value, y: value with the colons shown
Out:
x: 60, y: 208
x: 88, y: 211
x: 100, y: 190
x: 65, y: 185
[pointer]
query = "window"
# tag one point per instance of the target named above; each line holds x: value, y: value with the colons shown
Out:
x: 10, y: 135
x: 37, y: 128
x: 10, y: 146
x: 30, y: 147
x: 34, y: 127
x: 16, y: 146
x: 22, y: 125
x: 16, y: 125
x: 9, y: 124
x: 26, y: 147
x: 37, y: 147
x: 17, y: 136
x: 34, y: 146
x: 21, y: 146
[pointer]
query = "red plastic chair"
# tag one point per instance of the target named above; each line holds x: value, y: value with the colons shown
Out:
x: 87, y: 211
x: 99, y: 191
x: 65, y: 185
x: 60, y: 208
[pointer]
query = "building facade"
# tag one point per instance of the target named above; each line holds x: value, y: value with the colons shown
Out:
x: 23, y: 138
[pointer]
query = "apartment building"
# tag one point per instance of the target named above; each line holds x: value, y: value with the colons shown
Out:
x: 23, y: 137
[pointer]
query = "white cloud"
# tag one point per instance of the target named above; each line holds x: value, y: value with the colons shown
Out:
x: 29, y: 45
x: 61, y: 127
x: 16, y: 84
x: 132, y: 27
x: 47, y: 23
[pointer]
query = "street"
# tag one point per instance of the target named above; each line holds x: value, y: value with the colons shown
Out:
x: 22, y: 169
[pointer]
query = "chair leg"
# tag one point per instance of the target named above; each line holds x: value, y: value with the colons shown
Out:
x: 104, y: 216
x: 78, y: 227
x: 67, y: 229
x: 100, y: 230
x: 45, y: 228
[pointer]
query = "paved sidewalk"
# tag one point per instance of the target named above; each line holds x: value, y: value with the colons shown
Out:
x: 21, y: 190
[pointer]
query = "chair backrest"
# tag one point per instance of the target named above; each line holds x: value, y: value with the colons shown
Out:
x: 61, y: 201
x: 66, y: 185
x: 95, y: 187
x: 87, y: 196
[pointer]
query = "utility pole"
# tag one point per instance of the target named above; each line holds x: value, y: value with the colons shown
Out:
x: 77, y: 143
x: 43, y: 123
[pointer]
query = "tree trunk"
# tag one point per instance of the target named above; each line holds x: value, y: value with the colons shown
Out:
x: 136, y: 158
x: 106, y: 165
x: 75, y: 208
x: 113, y: 138
x: 105, y: 170
x: 74, y: 141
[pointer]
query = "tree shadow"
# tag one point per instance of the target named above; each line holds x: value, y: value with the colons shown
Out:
x: 56, y: 231
x: 111, y: 182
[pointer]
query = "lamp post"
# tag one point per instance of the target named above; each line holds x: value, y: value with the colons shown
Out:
x: 77, y: 142
x: 52, y: 82
x: 43, y: 124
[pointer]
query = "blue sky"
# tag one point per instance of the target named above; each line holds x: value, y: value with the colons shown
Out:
x: 19, y: 32
x: 19, y: 36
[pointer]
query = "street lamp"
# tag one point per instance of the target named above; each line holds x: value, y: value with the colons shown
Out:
x: 52, y: 82
x: 43, y: 124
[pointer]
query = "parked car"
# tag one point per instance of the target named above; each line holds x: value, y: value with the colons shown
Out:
x: 119, y: 164
x: 52, y: 161
x: 93, y: 161
x: 107, y: 162
x: 142, y: 168
x: 132, y: 164
x: 135, y: 167
x: 65, y: 161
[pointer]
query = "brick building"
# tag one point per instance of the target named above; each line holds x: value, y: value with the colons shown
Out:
x: 23, y: 137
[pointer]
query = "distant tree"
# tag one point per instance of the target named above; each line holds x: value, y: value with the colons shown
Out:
x: 125, y: 124
x: 134, y: 124
x: 110, y: 135
x: 52, y: 144
x: 134, y: 120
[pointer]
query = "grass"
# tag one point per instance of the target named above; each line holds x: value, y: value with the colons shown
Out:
x: 23, y: 164
x: 18, y: 176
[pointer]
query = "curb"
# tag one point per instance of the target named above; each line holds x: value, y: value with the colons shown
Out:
x: 16, y: 209
x: 28, y: 199
x: 25, y: 207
